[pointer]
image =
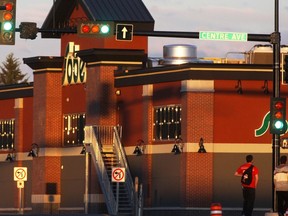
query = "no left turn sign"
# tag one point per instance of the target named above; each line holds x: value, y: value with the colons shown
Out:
x: 118, y: 174
x: 20, y: 173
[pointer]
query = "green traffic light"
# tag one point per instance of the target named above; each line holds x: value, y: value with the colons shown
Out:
x: 279, y: 125
x: 7, y: 26
x: 105, y: 29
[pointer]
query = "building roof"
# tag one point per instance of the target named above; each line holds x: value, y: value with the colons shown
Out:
x: 127, y: 11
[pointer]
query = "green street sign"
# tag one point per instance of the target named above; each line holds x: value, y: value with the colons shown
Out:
x: 223, y: 36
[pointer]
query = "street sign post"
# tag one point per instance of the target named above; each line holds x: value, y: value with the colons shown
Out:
x: 20, y: 175
x: 124, y: 32
x: 224, y: 36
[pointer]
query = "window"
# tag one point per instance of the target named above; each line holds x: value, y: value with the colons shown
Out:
x: 74, y: 129
x: 7, y: 128
x: 167, y: 122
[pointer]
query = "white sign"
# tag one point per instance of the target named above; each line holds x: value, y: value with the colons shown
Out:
x: 124, y: 32
x: 20, y: 173
x: 20, y: 184
x: 118, y: 174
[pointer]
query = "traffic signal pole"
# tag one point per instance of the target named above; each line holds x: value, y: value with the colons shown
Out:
x: 275, y: 40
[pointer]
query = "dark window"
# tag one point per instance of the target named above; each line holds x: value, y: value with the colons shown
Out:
x: 167, y: 122
x: 7, y: 128
x: 74, y: 129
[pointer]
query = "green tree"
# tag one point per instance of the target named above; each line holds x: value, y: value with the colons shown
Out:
x: 10, y: 72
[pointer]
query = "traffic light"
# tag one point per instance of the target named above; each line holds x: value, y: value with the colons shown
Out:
x: 7, y: 21
x: 278, y: 123
x: 95, y: 29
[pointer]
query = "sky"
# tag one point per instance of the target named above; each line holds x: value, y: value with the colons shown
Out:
x: 252, y: 17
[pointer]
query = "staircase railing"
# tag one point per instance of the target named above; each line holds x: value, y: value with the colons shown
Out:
x: 95, y: 150
x: 98, y: 137
x: 119, y: 151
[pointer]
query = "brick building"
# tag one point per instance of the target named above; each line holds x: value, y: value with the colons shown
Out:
x: 101, y: 96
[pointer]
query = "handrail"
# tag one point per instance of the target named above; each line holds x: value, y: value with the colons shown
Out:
x: 119, y: 150
x: 90, y: 138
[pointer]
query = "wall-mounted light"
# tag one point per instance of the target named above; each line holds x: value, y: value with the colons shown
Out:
x: 239, y: 87
x: 118, y: 92
x: 83, y: 151
x: 265, y: 87
x: 11, y: 156
x: 178, y: 146
x: 139, y: 149
x: 201, y: 146
x: 34, y: 150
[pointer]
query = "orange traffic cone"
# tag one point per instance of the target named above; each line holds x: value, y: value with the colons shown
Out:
x: 216, y: 209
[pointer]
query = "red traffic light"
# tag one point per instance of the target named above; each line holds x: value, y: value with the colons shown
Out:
x: 85, y: 28
x: 279, y: 105
x: 9, y: 6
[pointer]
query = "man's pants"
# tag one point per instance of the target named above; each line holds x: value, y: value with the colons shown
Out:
x: 282, y: 197
x: 249, y: 198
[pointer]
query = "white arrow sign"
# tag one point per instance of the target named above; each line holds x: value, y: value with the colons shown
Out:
x: 124, y: 31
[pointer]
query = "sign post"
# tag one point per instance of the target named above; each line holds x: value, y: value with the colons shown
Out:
x: 20, y: 176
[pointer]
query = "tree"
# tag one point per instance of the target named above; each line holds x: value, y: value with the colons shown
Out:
x: 10, y: 71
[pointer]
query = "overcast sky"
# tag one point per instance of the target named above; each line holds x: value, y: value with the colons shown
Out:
x: 248, y: 16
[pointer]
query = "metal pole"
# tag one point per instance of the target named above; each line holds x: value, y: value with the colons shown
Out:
x: 20, y: 202
x: 117, y: 197
x: 276, y: 40
x: 86, y: 181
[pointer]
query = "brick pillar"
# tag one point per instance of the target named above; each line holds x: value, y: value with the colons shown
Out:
x: 101, y: 97
x: 147, y: 137
x: 47, y: 133
x: 19, y: 125
x: 197, y: 122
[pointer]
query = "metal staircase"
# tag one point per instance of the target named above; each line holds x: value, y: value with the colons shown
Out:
x: 107, y: 152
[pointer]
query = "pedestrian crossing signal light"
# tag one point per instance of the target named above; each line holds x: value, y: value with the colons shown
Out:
x: 7, y: 22
x: 95, y: 29
x: 278, y: 123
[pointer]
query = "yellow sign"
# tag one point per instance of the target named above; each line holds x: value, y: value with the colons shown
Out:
x: 20, y: 173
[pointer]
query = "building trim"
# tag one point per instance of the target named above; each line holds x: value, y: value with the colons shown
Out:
x: 209, y: 147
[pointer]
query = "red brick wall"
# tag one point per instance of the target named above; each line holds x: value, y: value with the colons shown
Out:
x: 197, y: 169
x: 197, y: 179
x: 100, y: 96
x: 148, y: 139
x: 47, y: 129
x: 47, y: 108
x: 19, y: 127
x: 197, y: 117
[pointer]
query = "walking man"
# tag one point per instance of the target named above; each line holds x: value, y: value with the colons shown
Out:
x: 281, y: 185
x: 248, y: 189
